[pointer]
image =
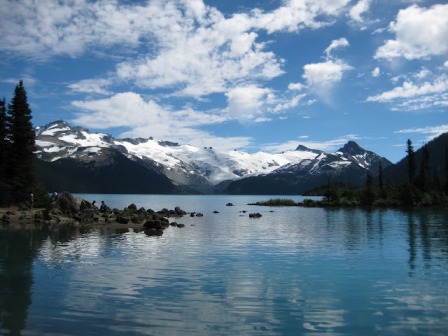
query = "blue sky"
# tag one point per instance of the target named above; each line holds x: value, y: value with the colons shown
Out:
x: 250, y: 75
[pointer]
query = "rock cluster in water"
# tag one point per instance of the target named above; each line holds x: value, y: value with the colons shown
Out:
x: 67, y: 210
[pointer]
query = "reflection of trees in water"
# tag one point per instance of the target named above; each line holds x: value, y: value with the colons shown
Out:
x: 17, y: 252
x: 424, y: 231
x: 427, y: 236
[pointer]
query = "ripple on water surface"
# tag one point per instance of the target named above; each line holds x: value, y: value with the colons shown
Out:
x: 293, y: 271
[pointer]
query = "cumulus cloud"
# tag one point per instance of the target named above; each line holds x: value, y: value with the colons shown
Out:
x: 295, y: 86
x: 42, y: 29
x: 246, y: 102
x: 419, y: 33
x: 296, y: 15
x: 190, y: 45
x: 184, y: 47
x: 325, y: 74
x: 321, y: 77
x: 146, y: 118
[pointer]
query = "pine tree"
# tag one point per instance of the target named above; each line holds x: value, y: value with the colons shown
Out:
x: 4, y: 192
x: 21, y: 170
x: 368, y: 195
x: 411, y: 161
x: 446, y: 169
x: 380, y: 177
x: 424, y: 170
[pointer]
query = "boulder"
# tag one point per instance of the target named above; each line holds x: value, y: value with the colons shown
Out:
x: 157, y: 224
x: 132, y: 207
x: 122, y: 219
x: 153, y: 232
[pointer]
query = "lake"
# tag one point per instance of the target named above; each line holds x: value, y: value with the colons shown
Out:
x: 294, y: 271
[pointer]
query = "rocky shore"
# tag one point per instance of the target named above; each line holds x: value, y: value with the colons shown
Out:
x: 67, y: 211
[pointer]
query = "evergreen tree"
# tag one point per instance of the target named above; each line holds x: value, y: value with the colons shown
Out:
x: 411, y: 161
x: 4, y: 192
x: 20, y: 171
x: 368, y: 195
x: 380, y: 177
x: 446, y: 169
x: 423, y: 178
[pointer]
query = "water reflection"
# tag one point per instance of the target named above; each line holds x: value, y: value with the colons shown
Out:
x: 17, y: 252
x: 293, y: 271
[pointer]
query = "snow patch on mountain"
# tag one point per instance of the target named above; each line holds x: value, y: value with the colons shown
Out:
x: 185, y: 164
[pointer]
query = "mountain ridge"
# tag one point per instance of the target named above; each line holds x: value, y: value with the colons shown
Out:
x: 194, y: 169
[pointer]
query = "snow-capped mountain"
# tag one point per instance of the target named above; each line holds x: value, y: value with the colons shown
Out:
x: 195, y: 168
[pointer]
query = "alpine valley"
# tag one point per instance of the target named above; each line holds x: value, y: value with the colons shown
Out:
x: 74, y: 159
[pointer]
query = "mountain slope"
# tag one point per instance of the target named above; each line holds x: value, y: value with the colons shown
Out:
x: 437, y: 156
x: 111, y: 172
x: 349, y: 165
x: 74, y: 151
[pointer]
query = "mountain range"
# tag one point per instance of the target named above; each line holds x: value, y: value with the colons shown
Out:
x: 74, y: 159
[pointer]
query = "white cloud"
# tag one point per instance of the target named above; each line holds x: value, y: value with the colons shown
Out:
x: 46, y: 28
x: 342, y: 42
x: 246, y: 103
x: 148, y: 118
x: 28, y: 81
x: 91, y: 86
x: 321, y: 77
x: 376, y: 72
x: 287, y: 104
x: 416, y: 95
x: 326, y: 74
x: 419, y: 33
x: 295, y: 86
x: 360, y: 8
x: 192, y: 47
x: 262, y: 119
x: 430, y: 131
x: 295, y: 15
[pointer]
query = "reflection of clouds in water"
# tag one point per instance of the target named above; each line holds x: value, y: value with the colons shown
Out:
x: 228, y: 274
x: 408, y: 308
x: 80, y: 248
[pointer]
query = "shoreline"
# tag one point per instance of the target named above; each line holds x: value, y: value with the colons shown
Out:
x: 68, y: 212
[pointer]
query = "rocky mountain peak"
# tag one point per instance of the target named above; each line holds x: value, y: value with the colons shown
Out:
x: 306, y: 149
x: 352, y: 148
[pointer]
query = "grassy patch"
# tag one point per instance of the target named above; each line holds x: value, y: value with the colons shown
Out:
x: 277, y: 202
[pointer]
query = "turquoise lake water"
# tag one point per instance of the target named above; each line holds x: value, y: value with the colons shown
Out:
x: 294, y: 271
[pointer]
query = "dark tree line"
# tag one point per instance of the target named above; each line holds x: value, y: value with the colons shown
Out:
x: 18, y: 178
x: 423, y: 186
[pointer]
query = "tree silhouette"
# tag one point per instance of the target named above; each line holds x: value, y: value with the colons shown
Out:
x: 3, y: 152
x: 424, y: 175
x: 20, y: 178
x: 411, y: 161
